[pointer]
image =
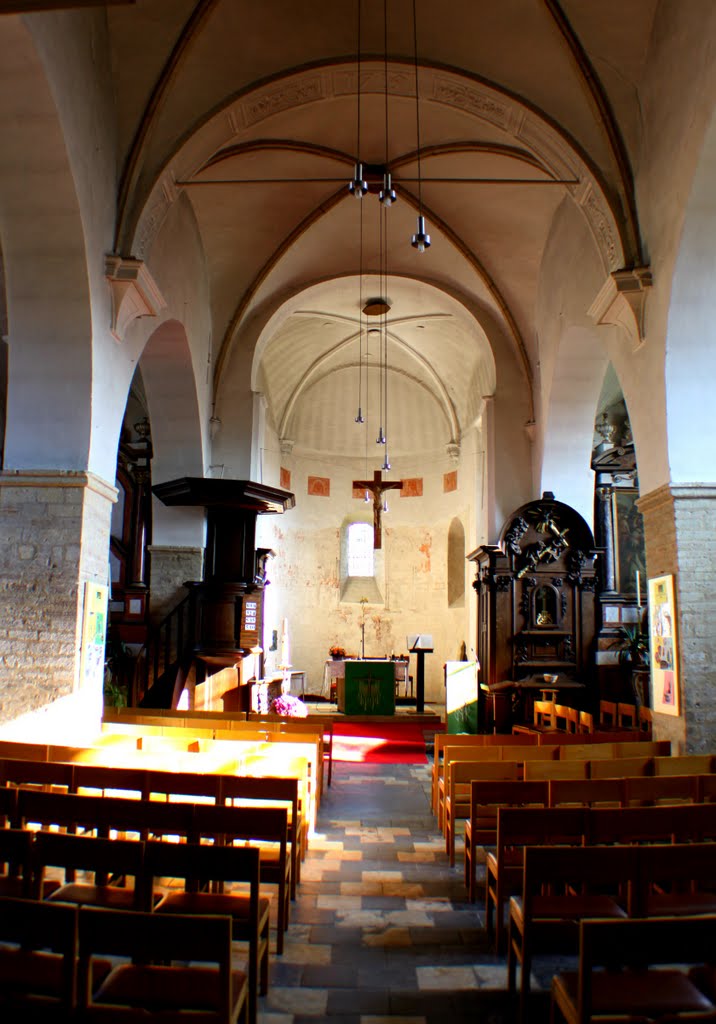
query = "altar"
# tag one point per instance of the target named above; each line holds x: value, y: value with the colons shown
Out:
x: 334, y: 673
x: 367, y: 688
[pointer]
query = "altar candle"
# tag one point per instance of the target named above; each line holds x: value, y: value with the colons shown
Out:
x: 638, y: 590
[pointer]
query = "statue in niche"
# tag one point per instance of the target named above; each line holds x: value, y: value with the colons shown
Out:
x: 545, y: 606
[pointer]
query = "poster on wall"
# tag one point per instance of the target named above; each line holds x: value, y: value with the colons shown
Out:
x: 663, y: 648
x: 94, y: 629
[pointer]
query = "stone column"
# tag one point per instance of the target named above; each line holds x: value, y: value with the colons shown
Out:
x: 54, y: 530
x: 170, y: 568
x: 678, y: 524
x: 605, y: 535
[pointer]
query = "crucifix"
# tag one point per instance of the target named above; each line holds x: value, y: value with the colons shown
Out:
x: 376, y: 486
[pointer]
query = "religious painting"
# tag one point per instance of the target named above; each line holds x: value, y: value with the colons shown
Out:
x: 663, y: 654
x: 450, y: 481
x: 412, y: 487
x: 319, y: 486
x: 94, y: 628
x: 629, y: 547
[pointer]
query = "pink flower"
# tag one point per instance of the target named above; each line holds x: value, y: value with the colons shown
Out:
x: 288, y: 706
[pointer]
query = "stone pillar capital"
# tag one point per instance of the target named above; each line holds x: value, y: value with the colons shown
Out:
x: 134, y: 292
x: 621, y: 301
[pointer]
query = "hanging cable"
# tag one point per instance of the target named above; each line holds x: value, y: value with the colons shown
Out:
x: 358, y: 186
x: 421, y: 239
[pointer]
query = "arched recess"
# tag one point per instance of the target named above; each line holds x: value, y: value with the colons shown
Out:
x: 48, y: 298
x: 690, y: 363
x: 456, y: 564
x: 173, y: 406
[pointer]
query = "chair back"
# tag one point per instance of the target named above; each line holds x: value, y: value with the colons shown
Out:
x: 36, y: 926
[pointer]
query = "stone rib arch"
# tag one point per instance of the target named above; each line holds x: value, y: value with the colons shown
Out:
x: 554, y: 149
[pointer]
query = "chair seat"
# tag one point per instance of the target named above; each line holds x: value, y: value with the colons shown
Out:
x: 568, y: 908
x: 109, y: 896
x: 162, y: 988
x: 24, y: 970
x: 682, y: 904
x: 638, y: 993
x: 236, y: 906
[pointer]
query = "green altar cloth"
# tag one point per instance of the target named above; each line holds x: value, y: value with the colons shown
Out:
x: 368, y: 688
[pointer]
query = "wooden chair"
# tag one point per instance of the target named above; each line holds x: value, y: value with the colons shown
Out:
x: 109, y: 862
x: 608, y: 714
x: 264, y: 827
x: 655, y: 790
x: 249, y: 911
x: 684, y: 764
x: 627, y: 717
x: 516, y: 829
x: 8, y: 806
x: 38, y: 944
x: 15, y: 866
x: 140, y: 989
x: 534, y: 770
x: 585, y: 722
x: 571, y: 719
x: 614, y: 979
x: 585, y: 792
x: 587, y: 751
x: 561, y: 886
x: 481, y: 825
x: 620, y: 767
x: 272, y: 790
x: 676, y: 880
x: 47, y: 775
x: 645, y: 721
x: 443, y: 740
x: 457, y: 800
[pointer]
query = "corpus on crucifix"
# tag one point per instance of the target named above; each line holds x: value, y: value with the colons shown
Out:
x: 376, y: 486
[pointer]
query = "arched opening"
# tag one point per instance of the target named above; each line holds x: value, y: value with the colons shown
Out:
x: 456, y: 565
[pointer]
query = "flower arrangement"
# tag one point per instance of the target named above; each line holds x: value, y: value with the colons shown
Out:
x: 337, y: 652
x: 288, y: 706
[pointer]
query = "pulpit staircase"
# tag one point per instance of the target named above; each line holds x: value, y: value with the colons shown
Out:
x: 167, y: 658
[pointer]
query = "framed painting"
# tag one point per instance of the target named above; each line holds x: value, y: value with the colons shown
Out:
x: 629, y: 548
x: 663, y: 648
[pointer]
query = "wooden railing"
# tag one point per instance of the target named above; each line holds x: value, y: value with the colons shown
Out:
x: 165, y: 659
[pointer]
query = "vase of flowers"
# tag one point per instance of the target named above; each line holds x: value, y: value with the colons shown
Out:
x: 337, y: 653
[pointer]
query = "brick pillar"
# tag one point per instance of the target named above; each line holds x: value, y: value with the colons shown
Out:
x: 54, y: 537
x: 170, y: 569
x: 678, y: 523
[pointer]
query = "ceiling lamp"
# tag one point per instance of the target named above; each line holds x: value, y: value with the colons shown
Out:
x: 421, y: 239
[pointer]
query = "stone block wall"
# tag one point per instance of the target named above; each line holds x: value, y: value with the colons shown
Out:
x: 170, y: 568
x: 678, y: 521
x: 54, y: 530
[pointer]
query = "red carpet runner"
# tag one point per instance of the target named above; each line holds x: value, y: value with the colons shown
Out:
x: 382, y: 743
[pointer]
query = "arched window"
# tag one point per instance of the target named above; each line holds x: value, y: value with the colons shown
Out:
x: 360, y: 549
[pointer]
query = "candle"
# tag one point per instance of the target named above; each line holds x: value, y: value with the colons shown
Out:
x: 638, y: 590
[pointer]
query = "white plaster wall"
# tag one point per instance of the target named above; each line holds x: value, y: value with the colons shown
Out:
x: 572, y: 361
x: 74, y: 49
x: 678, y: 92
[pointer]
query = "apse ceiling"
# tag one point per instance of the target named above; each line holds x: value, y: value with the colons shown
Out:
x: 249, y: 112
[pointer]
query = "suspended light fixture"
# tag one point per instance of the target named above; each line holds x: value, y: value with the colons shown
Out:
x: 421, y: 239
x: 358, y: 186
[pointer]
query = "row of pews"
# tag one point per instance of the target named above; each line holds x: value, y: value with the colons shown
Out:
x: 616, y: 863
x: 151, y: 832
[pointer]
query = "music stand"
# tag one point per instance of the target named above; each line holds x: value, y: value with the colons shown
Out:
x: 420, y: 644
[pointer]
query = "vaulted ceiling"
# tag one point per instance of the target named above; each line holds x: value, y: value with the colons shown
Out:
x: 250, y: 112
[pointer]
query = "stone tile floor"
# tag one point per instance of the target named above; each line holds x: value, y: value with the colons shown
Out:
x: 381, y: 929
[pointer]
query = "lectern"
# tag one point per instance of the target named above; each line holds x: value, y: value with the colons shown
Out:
x: 420, y: 644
